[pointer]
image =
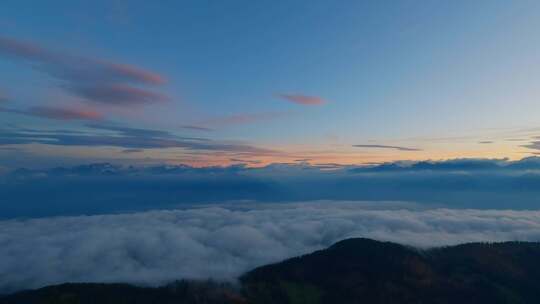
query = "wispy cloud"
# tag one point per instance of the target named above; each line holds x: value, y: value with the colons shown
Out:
x: 93, y: 80
x: 534, y: 145
x: 240, y: 119
x: 132, y: 150
x: 116, y: 94
x: 485, y: 142
x: 103, y: 135
x: 303, y: 99
x: 387, y: 147
x: 245, y: 161
x: 73, y: 67
x: 57, y: 113
x: 196, y: 128
x: 3, y: 96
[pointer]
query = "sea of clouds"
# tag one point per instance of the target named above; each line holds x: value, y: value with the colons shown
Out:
x: 223, y: 241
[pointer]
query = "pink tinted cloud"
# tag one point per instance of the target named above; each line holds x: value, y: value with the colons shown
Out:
x: 65, y: 113
x: 24, y: 50
x: 117, y: 94
x: 93, y: 79
x: 57, y: 113
x: 66, y: 65
x: 303, y: 100
x: 133, y: 72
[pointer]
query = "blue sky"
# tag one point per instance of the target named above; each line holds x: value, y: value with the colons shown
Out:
x: 288, y: 79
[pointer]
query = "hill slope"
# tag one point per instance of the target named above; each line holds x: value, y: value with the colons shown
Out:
x: 367, y: 271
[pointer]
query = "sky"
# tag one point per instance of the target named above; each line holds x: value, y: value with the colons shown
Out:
x: 211, y: 83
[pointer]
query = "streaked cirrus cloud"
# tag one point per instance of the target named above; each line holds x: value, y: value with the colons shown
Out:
x: 109, y: 135
x: 132, y: 150
x: 303, y: 99
x: 117, y: 94
x: 240, y: 119
x: 387, y: 147
x: 196, y: 128
x: 57, y: 113
x: 93, y: 80
x: 534, y: 145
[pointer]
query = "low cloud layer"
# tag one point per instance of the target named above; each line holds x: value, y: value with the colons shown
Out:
x: 222, y: 242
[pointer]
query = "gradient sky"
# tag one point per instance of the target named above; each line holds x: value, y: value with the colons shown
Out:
x: 256, y: 82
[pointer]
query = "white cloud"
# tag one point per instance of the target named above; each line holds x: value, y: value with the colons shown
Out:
x: 224, y: 241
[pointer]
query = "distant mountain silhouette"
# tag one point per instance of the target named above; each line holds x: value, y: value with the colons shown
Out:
x: 351, y: 271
